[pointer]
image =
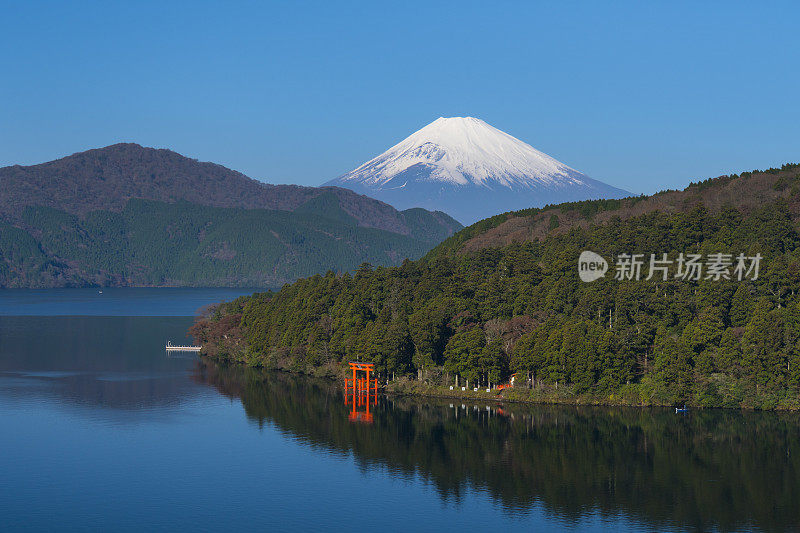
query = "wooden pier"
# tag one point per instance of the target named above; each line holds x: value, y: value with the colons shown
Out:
x: 171, y: 348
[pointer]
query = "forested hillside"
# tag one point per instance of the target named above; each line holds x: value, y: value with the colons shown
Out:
x: 156, y: 244
x: 504, y: 296
x: 127, y: 215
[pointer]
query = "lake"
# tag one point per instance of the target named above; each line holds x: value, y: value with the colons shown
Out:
x: 102, y: 430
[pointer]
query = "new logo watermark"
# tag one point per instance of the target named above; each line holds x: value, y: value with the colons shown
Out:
x: 591, y: 266
x: 690, y: 267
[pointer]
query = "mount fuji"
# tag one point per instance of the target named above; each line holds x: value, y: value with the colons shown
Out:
x: 470, y: 170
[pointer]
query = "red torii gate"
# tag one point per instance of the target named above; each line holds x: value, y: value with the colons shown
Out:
x: 361, y: 389
x: 361, y: 384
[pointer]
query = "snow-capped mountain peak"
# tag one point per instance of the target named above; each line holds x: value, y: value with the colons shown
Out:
x: 451, y: 156
x: 464, y: 150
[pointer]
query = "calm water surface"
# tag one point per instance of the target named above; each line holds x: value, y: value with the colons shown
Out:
x: 99, y: 429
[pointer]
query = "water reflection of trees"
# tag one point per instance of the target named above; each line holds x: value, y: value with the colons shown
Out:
x: 709, y: 468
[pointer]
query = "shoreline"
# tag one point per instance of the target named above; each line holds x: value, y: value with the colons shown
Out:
x: 545, y: 395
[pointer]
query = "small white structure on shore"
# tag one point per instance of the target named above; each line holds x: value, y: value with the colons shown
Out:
x: 171, y: 348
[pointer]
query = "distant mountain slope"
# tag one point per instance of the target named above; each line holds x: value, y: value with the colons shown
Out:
x: 151, y: 243
x: 470, y: 170
x: 106, y: 178
x: 128, y: 215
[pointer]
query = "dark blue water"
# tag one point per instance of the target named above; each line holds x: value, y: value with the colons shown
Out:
x: 124, y: 301
x: 101, y: 430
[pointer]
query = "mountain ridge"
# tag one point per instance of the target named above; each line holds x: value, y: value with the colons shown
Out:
x: 745, y: 192
x: 106, y: 178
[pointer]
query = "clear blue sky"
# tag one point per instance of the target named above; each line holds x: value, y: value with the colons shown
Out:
x: 641, y: 95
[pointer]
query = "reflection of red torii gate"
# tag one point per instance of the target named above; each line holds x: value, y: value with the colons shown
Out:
x: 363, y: 389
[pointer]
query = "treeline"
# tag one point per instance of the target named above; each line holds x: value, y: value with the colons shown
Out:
x: 476, y: 317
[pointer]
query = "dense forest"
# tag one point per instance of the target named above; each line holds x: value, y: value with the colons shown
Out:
x: 469, y: 313
x: 128, y: 215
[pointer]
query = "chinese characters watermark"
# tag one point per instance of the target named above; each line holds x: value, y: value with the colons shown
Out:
x: 688, y: 267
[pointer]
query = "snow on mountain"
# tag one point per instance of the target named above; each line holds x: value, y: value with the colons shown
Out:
x: 470, y: 170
